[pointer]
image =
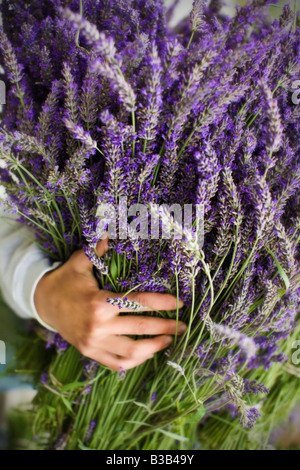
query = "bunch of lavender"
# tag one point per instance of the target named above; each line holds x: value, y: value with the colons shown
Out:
x: 219, y: 432
x: 105, y: 102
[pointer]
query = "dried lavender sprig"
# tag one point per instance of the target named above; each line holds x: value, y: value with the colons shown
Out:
x: 152, y: 283
x: 124, y: 303
x: 245, y: 343
x: 176, y: 367
x: 97, y: 262
x: 90, y: 431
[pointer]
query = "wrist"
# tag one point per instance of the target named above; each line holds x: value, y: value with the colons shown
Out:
x: 42, y: 299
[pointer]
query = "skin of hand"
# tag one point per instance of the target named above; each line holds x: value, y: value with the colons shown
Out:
x: 69, y: 300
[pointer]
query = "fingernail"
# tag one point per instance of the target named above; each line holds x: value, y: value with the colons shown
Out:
x: 180, y: 303
x: 182, y: 328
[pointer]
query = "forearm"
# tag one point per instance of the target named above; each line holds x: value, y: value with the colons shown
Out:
x: 22, y: 265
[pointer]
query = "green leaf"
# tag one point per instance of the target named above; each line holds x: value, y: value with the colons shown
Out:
x: 138, y: 422
x: 142, y: 405
x: 72, y: 386
x: 113, y: 269
x: 67, y: 404
x: 172, y: 435
x: 280, y: 270
x: 256, y: 304
x: 163, y: 431
x: 123, y: 402
x: 51, y: 409
x: 196, y: 417
x: 82, y: 446
x: 281, y: 292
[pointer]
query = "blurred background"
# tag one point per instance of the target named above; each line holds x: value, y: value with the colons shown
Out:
x: 13, y: 389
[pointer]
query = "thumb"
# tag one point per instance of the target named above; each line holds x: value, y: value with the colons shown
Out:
x: 87, y: 257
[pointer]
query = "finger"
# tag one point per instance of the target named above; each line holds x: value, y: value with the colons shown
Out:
x: 131, y: 349
x: 155, y: 301
x: 148, y: 301
x: 102, y: 246
x: 81, y: 258
x: 140, y: 325
x: 116, y: 363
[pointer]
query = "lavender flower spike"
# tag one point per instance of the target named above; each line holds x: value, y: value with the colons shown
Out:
x: 80, y: 134
x: 200, y: 124
x: 246, y: 344
x: 176, y: 367
x: 124, y: 303
x: 197, y: 17
x: 272, y: 110
x: 97, y: 262
x: 103, y: 45
x: 249, y: 418
x: 117, y: 82
x: 90, y: 431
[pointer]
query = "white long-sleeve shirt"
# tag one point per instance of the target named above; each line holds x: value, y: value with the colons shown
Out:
x: 22, y: 265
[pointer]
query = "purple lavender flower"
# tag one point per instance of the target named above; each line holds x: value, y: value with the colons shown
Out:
x: 249, y: 420
x: 90, y: 431
x: 97, y: 262
x: 44, y: 378
x: 118, y: 83
x: 255, y: 388
x: 54, y: 339
x: 273, y: 113
x: 122, y: 373
x: 104, y: 46
x: 246, y: 344
x: 79, y: 134
x: 90, y: 369
x: 87, y: 390
x: 61, y: 443
x: 124, y: 303
x: 111, y: 102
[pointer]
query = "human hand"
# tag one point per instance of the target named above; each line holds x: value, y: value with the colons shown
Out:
x: 69, y: 300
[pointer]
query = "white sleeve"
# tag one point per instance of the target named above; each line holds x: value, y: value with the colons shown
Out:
x: 22, y: 265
